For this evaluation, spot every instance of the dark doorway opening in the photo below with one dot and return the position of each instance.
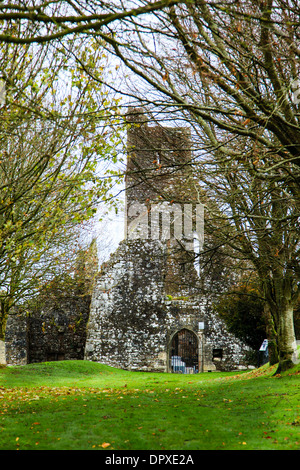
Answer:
(55, 356)
(217, 354)
(184, 352)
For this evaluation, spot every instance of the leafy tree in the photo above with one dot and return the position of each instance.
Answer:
(242, 309)
(77, 281)
(228, 71)
(241, 59)
(43, 22)
(54, 135)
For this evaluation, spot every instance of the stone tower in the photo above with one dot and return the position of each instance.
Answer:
(147, 311)
(162, 198)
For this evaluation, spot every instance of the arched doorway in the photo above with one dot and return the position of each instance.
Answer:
(184, 352)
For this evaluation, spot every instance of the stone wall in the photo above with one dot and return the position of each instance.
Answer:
(16, 339)
(56, 330)
(126, 308)
(132, 319)
(54, 325)
(2, 352)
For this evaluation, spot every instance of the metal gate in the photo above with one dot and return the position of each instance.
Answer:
(184, 352)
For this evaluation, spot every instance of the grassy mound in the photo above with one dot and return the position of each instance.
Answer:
(85, 405)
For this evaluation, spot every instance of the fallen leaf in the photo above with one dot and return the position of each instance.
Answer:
(105, 444)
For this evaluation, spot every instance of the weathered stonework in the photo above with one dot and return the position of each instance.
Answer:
(16, 339)
(53, 327)
(54, 330)
(132, 320)
(147, 297)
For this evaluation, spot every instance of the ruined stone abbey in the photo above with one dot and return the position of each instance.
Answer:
(148, 310)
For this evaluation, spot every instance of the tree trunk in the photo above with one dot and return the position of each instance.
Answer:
(280, 303)
(271, 336)
(5, 306)
(286, 337)
(3, 318)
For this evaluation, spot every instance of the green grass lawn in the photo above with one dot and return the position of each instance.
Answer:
(80, 405)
